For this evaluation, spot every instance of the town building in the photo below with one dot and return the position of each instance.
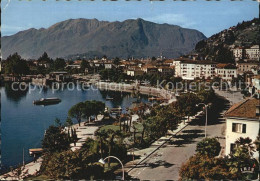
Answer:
(242, 120)
(108, 65)
(246, 65)
(238, 53)
(165, 71)
(59, 76)
(149, 69)
(226, 71)
(168, 62)
(252, 52)
(190, 69)
(256, 84)
(73, 66)
(134, 71)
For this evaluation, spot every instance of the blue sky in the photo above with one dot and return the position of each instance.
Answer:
(209, 17)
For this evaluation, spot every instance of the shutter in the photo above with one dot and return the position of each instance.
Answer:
(244, 128)
(233, 127)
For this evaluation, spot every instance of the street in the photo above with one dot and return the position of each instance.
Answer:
(164, 164)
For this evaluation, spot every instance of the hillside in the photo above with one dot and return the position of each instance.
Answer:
(138, 38)
(218, 46)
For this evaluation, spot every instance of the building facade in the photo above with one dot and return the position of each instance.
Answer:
(242, 120)
(246, 66)
(253, 52)
(190, 69)
(226, 71)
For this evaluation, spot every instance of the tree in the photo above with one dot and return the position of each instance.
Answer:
(44, 58)
(224, 55)
(59, 64)
(112, 137)
(116, 61)
(84, 64)
(77, 111)
(68, 122)
(245, 143)
(203, 167)
(68, 165)
(209, 146)
(15, 65)
(187, 104)
(257, 143)
(55, 140)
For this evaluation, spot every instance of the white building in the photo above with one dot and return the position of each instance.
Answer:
(134, 71)
(256, 83)
(238, 53)
(166, 71)
(253, 52)
(108, 65)
(190, 69)
(226, 71)
(242, 120)
(73, 66)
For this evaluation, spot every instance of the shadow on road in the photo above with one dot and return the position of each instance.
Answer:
(156, 164)
(214, 113)
(187, 137)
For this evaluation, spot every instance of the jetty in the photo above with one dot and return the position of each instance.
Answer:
(160, 94)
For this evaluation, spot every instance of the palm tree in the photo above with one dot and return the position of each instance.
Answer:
(101, 138)
(246, 143)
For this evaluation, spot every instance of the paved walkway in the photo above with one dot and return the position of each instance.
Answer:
(29, 169)
(83, 132)
(232, 96)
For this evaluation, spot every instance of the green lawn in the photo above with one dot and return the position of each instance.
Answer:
(113, 127)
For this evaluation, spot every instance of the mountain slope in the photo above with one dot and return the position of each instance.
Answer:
(244, 34)
(136, 38)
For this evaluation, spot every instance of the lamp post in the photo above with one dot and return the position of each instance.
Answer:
(103, 162)
(206, 123)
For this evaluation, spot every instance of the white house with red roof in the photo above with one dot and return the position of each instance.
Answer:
(242, 120)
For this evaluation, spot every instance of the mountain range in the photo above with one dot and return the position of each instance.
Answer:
(90, 38)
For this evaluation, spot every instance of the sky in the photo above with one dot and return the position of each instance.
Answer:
(209, 17)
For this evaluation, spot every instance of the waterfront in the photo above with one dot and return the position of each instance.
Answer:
(23, 124)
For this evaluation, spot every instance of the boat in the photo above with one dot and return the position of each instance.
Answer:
(47, 101)
(109, 98)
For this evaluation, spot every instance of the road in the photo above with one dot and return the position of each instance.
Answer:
(164, 164)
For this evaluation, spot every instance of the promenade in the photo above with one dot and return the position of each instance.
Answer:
(83, 132)
(147, 90)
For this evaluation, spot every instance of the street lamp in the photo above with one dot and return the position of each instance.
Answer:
(102, 161)
(206, 123)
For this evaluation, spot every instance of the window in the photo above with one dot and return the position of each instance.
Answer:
(238, 127)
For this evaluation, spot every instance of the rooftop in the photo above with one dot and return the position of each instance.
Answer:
(226, 66)
(244, 109)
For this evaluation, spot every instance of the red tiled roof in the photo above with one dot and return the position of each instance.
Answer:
(244, 109)
(226, 66)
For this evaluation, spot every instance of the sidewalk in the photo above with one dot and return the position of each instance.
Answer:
(29, 169)
(83, 132)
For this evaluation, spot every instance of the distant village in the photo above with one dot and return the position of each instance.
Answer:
(189, 67)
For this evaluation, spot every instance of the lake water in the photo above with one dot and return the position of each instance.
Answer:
(23, 124)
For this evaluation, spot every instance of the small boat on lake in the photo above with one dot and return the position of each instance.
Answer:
(109, 98)
(47, 101)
